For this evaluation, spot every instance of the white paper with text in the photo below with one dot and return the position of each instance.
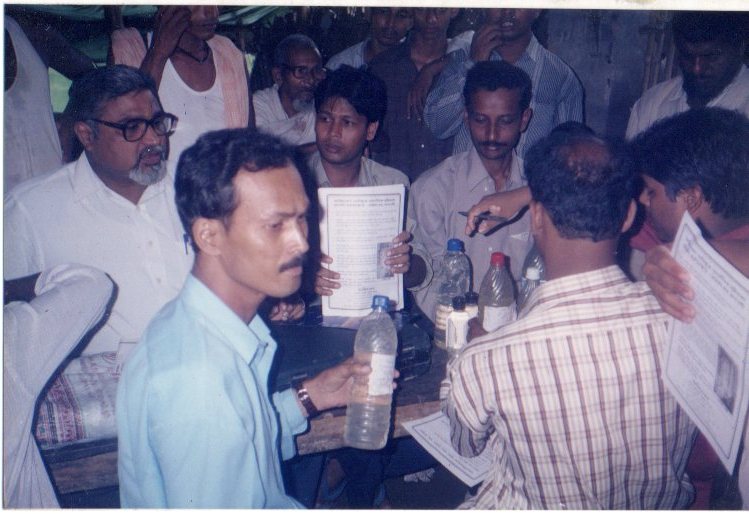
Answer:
(706, 360)
(357, 225)
(433, 433)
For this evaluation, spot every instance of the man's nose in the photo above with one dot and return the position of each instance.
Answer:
(644, 199)
(151, 137)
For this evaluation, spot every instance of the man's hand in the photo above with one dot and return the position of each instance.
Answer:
(475, 329)
(399, 256)
(505, 204)
(326, 280)
(670, 283)
(290, 308)
(171, 22)
(332, 387)
(417, 95)
(485, 40)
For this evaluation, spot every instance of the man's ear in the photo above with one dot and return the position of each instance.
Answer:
(537, 217)
(208, 235)
(525, 119)
(631, 213)
(277, 75)
(372, 130)
(693, 199)
(85, 134)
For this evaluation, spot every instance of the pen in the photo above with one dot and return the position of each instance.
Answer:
(486, 216)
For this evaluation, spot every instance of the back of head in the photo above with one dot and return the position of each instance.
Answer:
(89, 93)
(365, 91)
(729, 28)
(493, 75)
(583, 183)
(292, 43)
(708, 148)
(204, 181)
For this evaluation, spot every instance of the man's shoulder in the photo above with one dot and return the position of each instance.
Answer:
(51, 187)
(446, 172)
(387, 174)
(656, 94)
(351, 56)
(265, 95)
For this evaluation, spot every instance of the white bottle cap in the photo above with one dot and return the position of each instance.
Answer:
(532, 273)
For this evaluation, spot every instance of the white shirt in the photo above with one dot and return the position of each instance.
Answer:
(70, 216)
(271, 118)
(32, 146)
(198, 111)
(352, 56)
(669, 98)
(37, 336)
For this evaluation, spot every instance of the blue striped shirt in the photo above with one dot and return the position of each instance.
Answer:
(557, 96)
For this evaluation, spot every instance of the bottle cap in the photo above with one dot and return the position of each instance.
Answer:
(498, 259)
(532, 273)
(472, 298)
(380, 301)
(459, 303)
(454, 245)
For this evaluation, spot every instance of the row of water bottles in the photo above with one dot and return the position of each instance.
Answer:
(497, 304)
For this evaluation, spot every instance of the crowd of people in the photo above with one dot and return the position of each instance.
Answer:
(183, 230)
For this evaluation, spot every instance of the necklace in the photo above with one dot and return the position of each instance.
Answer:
(194, 57)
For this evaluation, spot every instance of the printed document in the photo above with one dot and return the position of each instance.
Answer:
(357, 227)
(433, 433)
(706, 360)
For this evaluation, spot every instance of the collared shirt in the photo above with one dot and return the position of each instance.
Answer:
(403, 143)
(271, 118)
(570, 402)
(457, 184)
(352, 56)
(37, 336)
(557, 96)
(669, 98)
(70, 216)
(196, 424)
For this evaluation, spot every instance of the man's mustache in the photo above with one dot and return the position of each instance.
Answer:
(153, 149)
(296, 262)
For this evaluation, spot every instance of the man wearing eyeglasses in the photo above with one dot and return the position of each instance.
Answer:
(112, 209)
(286, 109)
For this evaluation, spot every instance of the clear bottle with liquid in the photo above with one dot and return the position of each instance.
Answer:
(531, 281)
(368, 411)
(496, 295)
(454, 280)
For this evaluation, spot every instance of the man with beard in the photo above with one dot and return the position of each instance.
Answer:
(112, 209)
(506, 35)
(497, 99)
(710, 49)
(202, 77)
(286, 109)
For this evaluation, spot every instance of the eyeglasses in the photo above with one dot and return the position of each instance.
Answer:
(133, 130)
(303, 72)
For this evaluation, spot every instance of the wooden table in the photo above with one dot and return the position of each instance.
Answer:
(90, 466)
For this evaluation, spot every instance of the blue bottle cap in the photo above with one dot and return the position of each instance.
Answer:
(380, 301)
(454, 245)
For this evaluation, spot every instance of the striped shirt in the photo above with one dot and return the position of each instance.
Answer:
(570, 402)
(557, 96)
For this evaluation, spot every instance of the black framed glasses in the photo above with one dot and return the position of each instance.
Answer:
(133, 130)
(303, 72)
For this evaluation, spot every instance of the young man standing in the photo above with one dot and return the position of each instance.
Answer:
(196, 423)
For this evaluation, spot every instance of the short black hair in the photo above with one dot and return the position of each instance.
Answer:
(365, 91)
(204, 185)
(729, 28)
(493, 75)
(289, 44)
(706, 147)
(90, 92)
(585, 184)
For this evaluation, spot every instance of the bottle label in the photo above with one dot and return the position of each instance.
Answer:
(457, 331)
(440, 317)
(496, 317)
(381, 378)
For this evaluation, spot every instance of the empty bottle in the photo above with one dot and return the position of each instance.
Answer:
(457, 327)
(530, 282)
(454, 280)
(496, 295)
(368, 412)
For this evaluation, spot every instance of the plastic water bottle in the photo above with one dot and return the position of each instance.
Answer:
(530, 282)
(457, 327)
(533, 259)
(454, 280)
(496, 295)
(368, 412)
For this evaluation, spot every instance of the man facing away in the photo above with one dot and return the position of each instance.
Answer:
(710, 50)
(497, 98)
(112, 209)
(506, 35)
(285, 109)
(201, 76)
(197, 425)
(569, 397)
